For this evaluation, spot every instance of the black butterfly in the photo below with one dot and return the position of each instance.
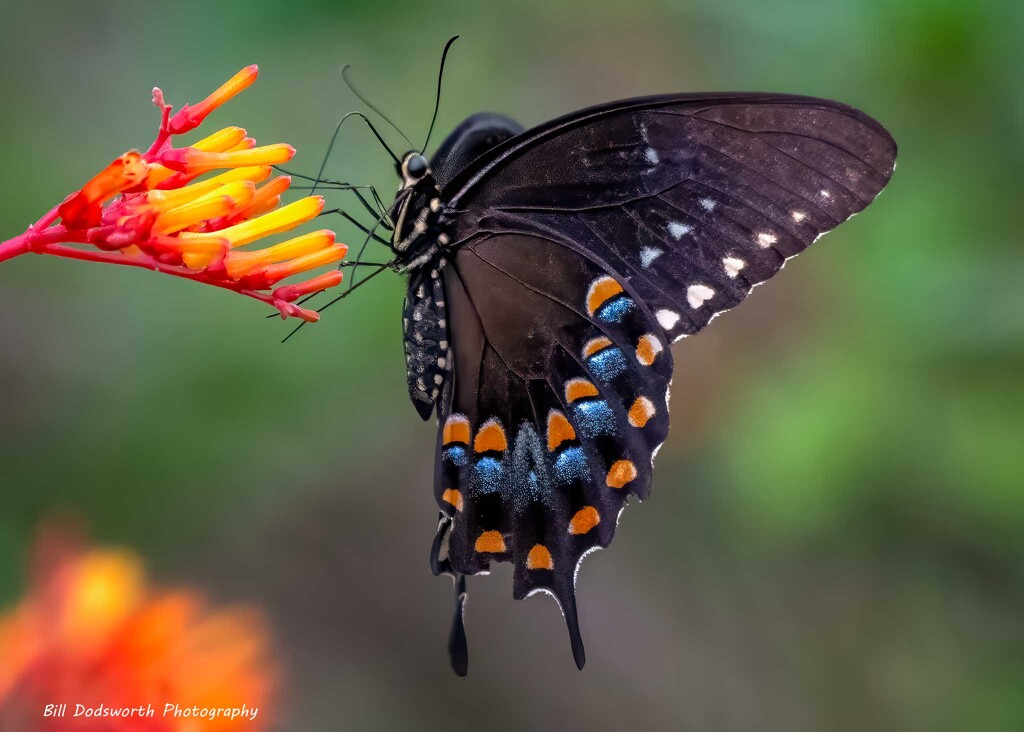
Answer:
(549, 271)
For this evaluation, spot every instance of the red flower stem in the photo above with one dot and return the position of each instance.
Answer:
(15, 247)
(23, 243)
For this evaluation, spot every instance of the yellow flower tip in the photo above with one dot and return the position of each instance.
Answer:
(222, 140)
(247, 143)
(192, 160)
(166, 200)
(191, 117)
(192, 214)
(283, 219)
(266, 198)
(327, 255)
(240, 192)
(275, 187)
(300, 246)
(259, 209)
(265, 194)
(254, 173)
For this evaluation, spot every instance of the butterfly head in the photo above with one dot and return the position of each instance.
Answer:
(412, 169)
(416, 211)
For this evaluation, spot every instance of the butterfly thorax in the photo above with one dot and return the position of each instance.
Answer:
(416, 215)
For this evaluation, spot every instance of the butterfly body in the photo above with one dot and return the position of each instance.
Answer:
(551, 269)
(421, 245)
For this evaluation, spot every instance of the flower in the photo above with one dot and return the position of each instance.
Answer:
(93, 632)
(151, 210)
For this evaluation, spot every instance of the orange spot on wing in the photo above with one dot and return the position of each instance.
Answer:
(490, 437)
(594, 345)
(559, 430)
(647, 349)
(584, 520)
(579, 389)
(490, 542)
(641, 411)
(621, 473)
(456, 429)
(539, 558)
(453, 497)
(601, 292)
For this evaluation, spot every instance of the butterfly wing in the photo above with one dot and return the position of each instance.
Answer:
(694, 199)
(584, 247)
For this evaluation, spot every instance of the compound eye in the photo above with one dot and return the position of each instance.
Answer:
(416, 166)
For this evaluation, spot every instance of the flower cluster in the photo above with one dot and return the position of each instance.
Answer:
(93, 635)
(152, 210)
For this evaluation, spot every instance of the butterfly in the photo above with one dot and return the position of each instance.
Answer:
(549, 272)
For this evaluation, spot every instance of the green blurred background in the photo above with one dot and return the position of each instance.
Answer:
(834, 540)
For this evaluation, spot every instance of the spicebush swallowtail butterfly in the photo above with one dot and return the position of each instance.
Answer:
(551, 269)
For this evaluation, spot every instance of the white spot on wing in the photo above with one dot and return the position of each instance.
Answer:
(697, 294)
(652, 156)
(766, 239)
(648, 255)
(708, 204)
(677, 230)
(825, 194)
(733, 266)
(667, 319)
(799, 216)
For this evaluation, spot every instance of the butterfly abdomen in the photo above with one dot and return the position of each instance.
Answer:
(425, 332)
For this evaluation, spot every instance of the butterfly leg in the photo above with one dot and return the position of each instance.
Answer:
(352, 220)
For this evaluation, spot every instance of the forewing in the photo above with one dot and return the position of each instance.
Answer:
(693, 200)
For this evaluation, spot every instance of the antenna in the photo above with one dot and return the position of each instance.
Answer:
(437, 101)
(348, 82)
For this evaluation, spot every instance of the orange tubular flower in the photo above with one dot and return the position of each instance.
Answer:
(148, 210)
(92, 634)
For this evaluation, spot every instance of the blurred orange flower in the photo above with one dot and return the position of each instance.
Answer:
(147, 210)
(94, 636)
